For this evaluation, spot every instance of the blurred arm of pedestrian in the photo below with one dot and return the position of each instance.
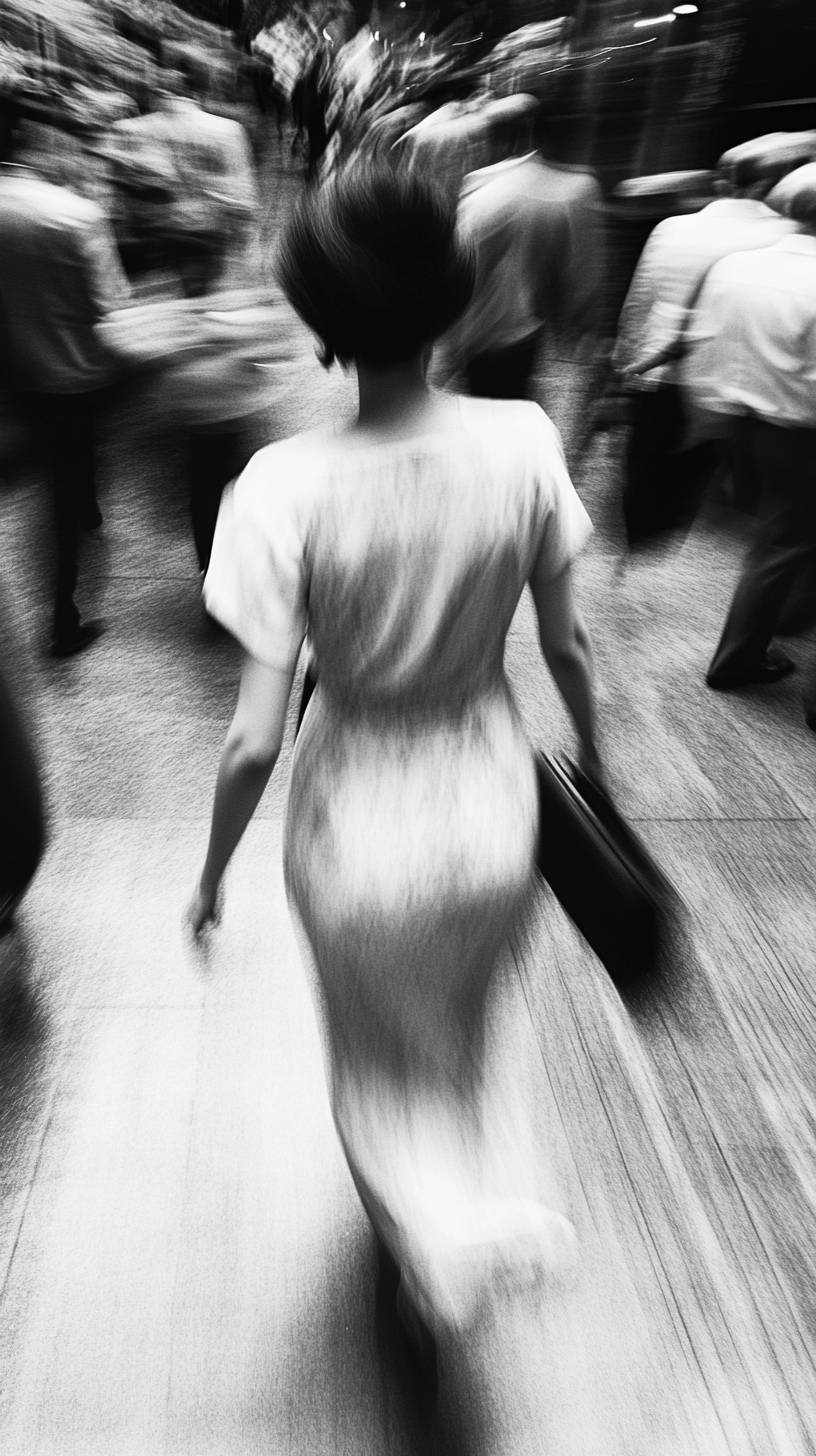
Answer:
(234, 185)
(651, 318)
(707, 367)
(493, 243)
(575, 307)
(103, 279)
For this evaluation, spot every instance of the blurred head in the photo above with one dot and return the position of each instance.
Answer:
(372, 262)
(512, 125)
(754, 167)
(795, 196)
(191, 72)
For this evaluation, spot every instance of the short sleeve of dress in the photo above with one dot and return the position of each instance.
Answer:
(564, 525)
(255, 585)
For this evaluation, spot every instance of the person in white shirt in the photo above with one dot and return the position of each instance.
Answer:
(680, 250)
(752, 362)
(669, 464)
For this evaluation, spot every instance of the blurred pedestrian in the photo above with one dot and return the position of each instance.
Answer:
(670, 459)
(536, 228)
(753, 363)
(197, 181)
(59, 278)
(401, 543)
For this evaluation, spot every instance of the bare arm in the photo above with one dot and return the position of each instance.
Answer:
(250, 753)
(566, 648)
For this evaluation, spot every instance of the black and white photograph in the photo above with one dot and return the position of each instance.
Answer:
(407, 728)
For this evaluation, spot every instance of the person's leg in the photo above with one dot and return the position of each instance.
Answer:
(22, 834)
(503, 373)
(52, 433)
(799, 612)
(784, 460)
(810, 695)
(81, 430)
(214, 459)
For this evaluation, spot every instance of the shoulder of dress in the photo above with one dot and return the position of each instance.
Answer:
(284, 469)
(514, 421)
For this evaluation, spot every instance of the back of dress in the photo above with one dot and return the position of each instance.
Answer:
(403, 559)
(412, 813)
(418, 554)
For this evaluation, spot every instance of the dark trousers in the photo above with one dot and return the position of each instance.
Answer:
(63, 430)
(777, 467)
(504, 373)
(214, 459)
(22, 818)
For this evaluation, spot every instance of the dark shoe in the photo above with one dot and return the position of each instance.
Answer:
(69, 643)
(810, 719)
(774, 665)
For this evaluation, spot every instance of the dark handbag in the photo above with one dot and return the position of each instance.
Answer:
(602, 874)
(665, 477)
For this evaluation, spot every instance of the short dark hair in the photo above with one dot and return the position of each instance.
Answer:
(795, 196)
(763, 161)
(373, 263)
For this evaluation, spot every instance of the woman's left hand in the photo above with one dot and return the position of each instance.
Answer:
(205, 909)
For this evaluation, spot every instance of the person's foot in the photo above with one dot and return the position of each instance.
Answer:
(67, 644)
(773, 666)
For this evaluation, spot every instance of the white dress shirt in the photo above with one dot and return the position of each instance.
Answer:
(753, 340)
(676, 257)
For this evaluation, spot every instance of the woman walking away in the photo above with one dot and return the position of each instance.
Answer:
(401, 544)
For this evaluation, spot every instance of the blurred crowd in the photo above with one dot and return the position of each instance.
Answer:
(133, 245)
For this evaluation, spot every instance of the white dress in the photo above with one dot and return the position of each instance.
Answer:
(412, 811)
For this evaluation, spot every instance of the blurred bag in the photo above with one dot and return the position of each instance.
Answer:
(666, 474)
(665, 477)
(602, 874)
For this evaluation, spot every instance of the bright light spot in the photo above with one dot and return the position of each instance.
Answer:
(686, 9)
(376, 35)
(402, 4)
(656, 20)
(422, 37)
(326, 35)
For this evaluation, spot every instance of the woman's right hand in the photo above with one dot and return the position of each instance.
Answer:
(204, 910)
(590, 764)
